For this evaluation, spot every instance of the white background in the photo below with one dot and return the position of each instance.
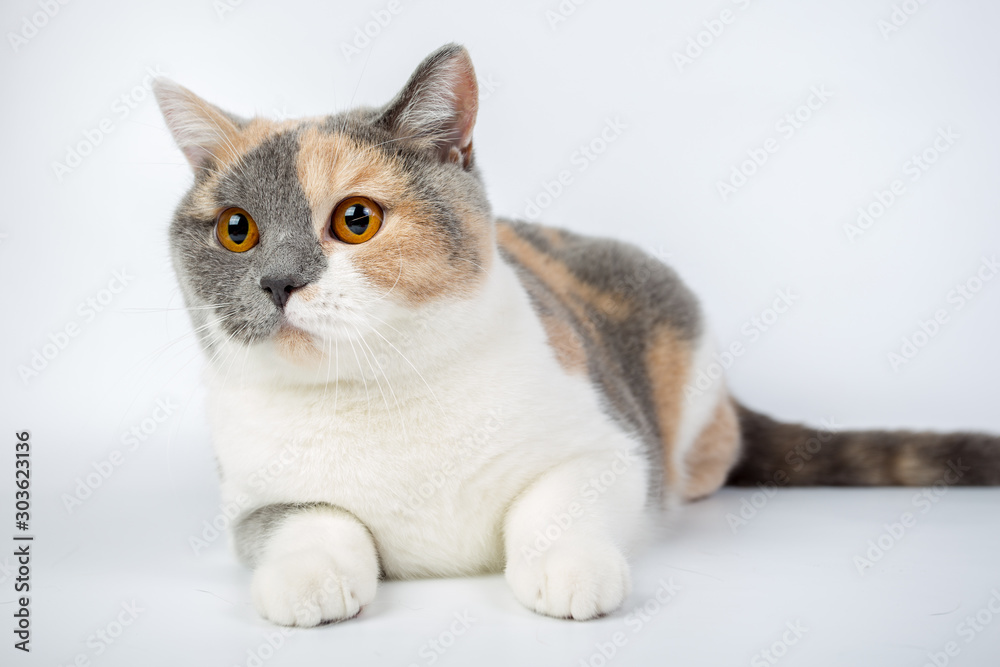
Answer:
(554, 88)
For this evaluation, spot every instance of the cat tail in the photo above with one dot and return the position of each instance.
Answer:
(793, 454)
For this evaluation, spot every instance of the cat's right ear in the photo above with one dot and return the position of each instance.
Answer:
(202, 131)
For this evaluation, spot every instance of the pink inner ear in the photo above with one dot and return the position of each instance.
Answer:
(199, 157)
(466, 92)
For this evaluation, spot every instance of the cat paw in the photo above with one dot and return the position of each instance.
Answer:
(310, 587)
(579, 583)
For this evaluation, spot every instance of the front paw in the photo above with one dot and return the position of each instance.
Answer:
(309, 587)
(581, 581)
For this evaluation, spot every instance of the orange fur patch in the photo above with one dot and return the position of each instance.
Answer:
(567, 344)
(668, 362)
(714, 453)
(297, 346)
(332, 167)
(570, 290)
(553, 236)
(308, 293)
(407, 257)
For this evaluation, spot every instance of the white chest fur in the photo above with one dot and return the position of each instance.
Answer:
(431, 446)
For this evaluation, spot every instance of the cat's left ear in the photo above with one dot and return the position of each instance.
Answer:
(437, 108)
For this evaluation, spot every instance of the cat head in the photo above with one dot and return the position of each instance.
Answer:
(299, 232)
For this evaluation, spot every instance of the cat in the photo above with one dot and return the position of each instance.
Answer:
(401, 385)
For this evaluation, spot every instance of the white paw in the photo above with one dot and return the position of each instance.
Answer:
(580, 582)
(311, 586)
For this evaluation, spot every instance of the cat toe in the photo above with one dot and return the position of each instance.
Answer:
(579, 583)
(308, 588)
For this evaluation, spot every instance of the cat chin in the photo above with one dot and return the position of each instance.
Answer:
(296, 346)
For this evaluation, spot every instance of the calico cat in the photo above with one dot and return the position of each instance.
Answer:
(402, 385)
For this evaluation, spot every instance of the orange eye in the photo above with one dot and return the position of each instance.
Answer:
(236, 230)
(356, 219)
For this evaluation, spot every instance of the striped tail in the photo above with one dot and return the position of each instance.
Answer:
(793, 454)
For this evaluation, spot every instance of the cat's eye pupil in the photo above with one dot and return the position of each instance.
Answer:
(357, 218)
(238, 228)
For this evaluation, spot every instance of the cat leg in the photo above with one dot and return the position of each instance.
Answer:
(565, 535)
(312, 562)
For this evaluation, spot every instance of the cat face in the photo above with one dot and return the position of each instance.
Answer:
(297, 233)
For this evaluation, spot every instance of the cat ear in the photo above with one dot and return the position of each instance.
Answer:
(202, 130)
(437, 107)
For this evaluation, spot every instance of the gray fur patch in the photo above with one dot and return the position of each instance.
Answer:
(264, 183)
(617, 362)
(252, 532)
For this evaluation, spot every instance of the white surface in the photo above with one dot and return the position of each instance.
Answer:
(793, 562)
(554, 90)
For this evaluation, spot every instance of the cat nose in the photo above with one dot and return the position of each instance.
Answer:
(280, 288)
